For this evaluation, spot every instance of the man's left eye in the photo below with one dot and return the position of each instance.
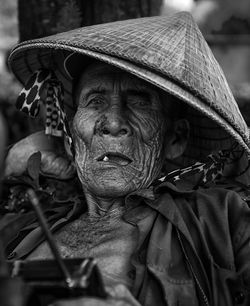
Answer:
(139, 102)
(95, 102)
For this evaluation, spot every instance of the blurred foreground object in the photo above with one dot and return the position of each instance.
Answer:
(53, 162)
(12, 291)
(59, 278)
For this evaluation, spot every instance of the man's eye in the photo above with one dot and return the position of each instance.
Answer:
(95, 102)
(139, 102)
(143, 103)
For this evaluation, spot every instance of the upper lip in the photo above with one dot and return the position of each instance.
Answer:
(116, 154)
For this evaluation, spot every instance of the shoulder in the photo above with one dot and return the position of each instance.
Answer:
(216, 220)
(214, 208)
(218, 210)
(207, 201)
(216, 199)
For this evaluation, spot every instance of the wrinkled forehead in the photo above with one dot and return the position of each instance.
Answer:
(102, 74)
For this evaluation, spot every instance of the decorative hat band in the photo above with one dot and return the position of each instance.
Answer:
(44, 87)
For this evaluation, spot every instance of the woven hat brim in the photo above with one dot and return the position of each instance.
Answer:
(31, 57)
(168, 52)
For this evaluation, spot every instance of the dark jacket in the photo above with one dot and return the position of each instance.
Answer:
(193, 248)
(196, 251)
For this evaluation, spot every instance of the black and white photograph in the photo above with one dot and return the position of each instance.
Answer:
(124, 152)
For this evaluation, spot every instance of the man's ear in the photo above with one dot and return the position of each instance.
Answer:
(66, 145)
(176, 140)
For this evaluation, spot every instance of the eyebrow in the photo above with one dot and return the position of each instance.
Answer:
(97, 90)
(130, 92)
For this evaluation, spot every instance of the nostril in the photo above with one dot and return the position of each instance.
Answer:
(123, 132)
(105, 131)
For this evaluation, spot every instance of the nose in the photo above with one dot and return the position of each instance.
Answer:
(114, 123)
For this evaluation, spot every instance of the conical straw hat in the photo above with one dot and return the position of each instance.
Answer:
(168, 52)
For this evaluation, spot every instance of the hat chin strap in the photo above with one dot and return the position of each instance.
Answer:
(44, 87)
(230, 164)
(210, 169)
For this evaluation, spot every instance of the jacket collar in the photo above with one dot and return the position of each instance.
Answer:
(156, 198)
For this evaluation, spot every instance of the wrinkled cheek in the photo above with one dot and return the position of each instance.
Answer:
(153, 158)
(83, 126)
(152, 165)
(80, 139)
(80, 157)
(152, 129)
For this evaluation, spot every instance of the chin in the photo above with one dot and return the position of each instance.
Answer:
(109, 189)
(111, 182)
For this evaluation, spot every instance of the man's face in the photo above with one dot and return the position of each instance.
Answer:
(118, 132)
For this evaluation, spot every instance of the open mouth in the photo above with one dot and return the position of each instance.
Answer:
(116, 158)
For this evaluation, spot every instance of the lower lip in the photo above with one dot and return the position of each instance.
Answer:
(113, 164)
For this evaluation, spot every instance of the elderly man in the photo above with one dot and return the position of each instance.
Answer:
(140, 97)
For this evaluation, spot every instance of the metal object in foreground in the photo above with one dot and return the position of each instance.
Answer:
(42, 221)
(59, 278)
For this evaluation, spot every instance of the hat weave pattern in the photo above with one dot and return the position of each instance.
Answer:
(169, 52)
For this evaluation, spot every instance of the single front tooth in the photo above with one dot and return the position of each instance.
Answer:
(105, 158)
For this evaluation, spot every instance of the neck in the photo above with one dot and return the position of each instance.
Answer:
(101, 206)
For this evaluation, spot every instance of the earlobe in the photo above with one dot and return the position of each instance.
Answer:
(176, 143)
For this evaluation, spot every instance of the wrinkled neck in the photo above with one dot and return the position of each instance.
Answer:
(102, 206)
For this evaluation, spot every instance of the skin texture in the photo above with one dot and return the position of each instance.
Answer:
(107, 238)
(121, 114)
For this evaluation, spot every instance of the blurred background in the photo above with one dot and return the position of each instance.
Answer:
(224, 23)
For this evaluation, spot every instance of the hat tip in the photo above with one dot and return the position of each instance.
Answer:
(185, 15)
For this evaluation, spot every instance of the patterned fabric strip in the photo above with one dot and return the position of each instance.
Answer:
(44, 87)
(210, 169)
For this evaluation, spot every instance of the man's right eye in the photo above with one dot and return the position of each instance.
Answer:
(95, 102)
